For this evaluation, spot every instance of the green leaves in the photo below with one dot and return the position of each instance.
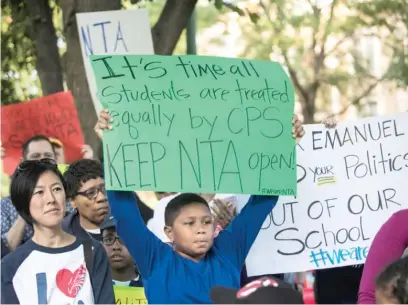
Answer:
(18, 80)
(323, 52)
(219, 4)
(254, 17)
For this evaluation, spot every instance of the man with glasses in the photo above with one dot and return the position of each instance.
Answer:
(86, 194)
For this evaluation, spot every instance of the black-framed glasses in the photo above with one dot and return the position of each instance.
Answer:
(110, 240)
(27, 165)
(93, 192)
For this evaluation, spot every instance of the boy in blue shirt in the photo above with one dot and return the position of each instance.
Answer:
(186, 271)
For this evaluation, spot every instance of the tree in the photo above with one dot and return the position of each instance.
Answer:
(166, 32)
(73, 63)
(316, 41)
(44, 37)
(207, 15)
(18, 56)
(29, 44)
(22, 60)
(391, 15)
(172, 21)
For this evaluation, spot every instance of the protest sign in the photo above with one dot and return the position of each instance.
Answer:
(54, 115)
(129, 295)
(109, 32)
(197, 124)
(63, 168)
(350, 181)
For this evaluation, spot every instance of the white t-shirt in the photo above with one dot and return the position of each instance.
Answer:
(34, 274)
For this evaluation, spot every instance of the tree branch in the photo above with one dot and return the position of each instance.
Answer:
(69, 17)
(295, 78)
(312, 5)
(329, 22)
(338, 43)
(172, 21)
(233, 8)
(316, 14)
(319, 60)
(358, 99)
(291, 70)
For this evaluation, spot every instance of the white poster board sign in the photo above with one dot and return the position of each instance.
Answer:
(110, 32)
(351, 179)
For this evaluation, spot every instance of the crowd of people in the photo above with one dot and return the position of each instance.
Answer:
(65, 239)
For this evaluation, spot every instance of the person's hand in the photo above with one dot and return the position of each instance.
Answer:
(3, 151)
(297, 128)
(330, 122)
(224, 212)
(103, 124)
(87, 152)
(207, 196)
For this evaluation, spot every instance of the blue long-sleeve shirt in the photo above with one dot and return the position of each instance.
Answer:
(170, 278)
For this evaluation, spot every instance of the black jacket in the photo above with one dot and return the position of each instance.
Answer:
(4, 249)
(72, 225)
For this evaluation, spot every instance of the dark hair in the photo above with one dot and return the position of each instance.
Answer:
(175, 205)
(80, 172)
(36, 138)
(101, 154)
(23, 183)
(393, 281)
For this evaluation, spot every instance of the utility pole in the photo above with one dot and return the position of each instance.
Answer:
(191, 34)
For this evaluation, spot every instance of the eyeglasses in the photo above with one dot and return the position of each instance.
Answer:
(93, 192)
(110, 240)
(29, 164)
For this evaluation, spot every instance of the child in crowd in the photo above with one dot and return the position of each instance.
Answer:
(392, 284)
(124, 271)
(196, 262)
(185, 272)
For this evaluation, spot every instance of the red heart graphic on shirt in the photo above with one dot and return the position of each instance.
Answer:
(71, 283)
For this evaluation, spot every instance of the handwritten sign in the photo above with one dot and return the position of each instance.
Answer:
(52, 116)
(129, 295)
(351, 180)
(197, 124)
(109, 32)
(63, 168)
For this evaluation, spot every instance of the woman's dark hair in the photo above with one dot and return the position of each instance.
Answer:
(24, 181)
(393, 281)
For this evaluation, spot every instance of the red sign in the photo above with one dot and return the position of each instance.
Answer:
(54, 116)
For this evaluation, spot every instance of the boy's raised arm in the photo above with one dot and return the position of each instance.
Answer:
(144, 247)
(237, 239)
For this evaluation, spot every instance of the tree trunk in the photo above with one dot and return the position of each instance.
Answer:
(43, 34)
(172, 21)
(74, 65)
(166, 33)
(308, 110)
